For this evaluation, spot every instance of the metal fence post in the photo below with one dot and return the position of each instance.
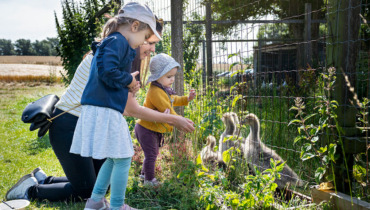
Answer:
(177, 46)
(209, 40)
(204, 73)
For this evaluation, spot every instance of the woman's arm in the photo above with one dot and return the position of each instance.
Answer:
(133, 109)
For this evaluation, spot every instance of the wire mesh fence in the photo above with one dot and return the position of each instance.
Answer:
(259, 57)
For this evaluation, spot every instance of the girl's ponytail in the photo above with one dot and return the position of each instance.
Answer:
(110, 27)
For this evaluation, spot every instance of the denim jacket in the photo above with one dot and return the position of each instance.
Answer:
(110, 74)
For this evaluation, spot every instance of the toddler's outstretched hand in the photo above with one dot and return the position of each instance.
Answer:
(192, 95)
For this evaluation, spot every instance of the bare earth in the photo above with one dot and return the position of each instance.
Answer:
(30, 69)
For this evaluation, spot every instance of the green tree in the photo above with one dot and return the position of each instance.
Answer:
(54, 43)
(6, 47)
(285, 10)
(23, 47)
(192, 35)
(42, 48)
(273, 31)
(81, 24)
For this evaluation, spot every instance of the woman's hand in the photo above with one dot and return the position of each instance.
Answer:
(183, 124)
(133, 109)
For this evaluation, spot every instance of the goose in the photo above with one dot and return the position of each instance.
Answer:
(231, 121)
(208, 155)
(258, 154)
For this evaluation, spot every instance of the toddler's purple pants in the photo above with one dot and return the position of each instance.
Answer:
(150, 142)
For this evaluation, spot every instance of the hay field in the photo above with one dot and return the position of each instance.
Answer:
(41, 60)
(30, 69)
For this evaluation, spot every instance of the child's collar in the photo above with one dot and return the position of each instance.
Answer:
(168, 90)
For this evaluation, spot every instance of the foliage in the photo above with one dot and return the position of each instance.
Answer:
(23, 47)
(192, 35)
(46, 47)
(309, 134)
(6, 47)
(164, 46)
(79, 28)
(243, 10)
(273, 31)
(256, 192)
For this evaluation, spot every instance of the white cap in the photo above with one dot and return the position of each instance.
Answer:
(142, 13)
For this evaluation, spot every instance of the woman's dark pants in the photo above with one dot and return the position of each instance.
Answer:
(81, 172)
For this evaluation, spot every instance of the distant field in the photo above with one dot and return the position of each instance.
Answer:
(40, 60)
(30, 69)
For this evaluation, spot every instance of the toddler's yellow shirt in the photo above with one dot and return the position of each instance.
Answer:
(157, 99)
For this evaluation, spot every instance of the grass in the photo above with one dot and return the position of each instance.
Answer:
(21, 151)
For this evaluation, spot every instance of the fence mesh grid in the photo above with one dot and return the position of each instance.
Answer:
(266, 55)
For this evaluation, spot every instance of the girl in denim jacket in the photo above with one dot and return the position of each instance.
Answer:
(102, 131)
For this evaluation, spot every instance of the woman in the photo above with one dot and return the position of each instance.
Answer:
(80, 171)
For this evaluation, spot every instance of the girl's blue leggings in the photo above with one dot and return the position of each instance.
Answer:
(113, 172)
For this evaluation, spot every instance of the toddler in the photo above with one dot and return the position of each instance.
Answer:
(160, 97)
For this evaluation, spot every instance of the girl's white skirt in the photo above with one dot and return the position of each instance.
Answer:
(102, 133)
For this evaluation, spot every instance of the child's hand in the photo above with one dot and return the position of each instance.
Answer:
(134, 82)
(136, 88)
(192, 95)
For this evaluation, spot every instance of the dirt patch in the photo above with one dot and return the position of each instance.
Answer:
(30, 69)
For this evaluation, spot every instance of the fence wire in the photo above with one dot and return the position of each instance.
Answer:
(264, 56)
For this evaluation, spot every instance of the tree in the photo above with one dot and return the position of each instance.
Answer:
(273, 31)
(6, 47)
(54, 43)
(191, 43)
(293, 9)
(42, 48)
(23, 47)
(81, 24)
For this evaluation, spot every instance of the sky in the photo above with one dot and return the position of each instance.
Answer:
(28, 19)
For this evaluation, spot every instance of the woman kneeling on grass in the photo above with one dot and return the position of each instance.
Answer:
(80, 171)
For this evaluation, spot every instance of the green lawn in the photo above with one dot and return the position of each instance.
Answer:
(21, 151)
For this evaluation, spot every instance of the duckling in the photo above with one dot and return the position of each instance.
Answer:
(258, 154)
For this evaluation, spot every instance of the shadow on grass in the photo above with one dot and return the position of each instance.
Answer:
(38, 145)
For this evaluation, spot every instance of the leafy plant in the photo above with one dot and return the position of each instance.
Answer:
(310, 134)
(81, 24)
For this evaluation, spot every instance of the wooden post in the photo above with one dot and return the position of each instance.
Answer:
(209, 40)
(177, 47)
(338, 200)
(341, 53)
(307, 36)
